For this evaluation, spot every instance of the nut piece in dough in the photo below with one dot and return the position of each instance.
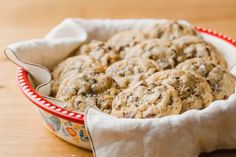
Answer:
(220, 80)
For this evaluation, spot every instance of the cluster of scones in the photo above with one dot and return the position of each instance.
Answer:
(164, 69)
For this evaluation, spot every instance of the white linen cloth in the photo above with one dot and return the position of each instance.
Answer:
(184, 135)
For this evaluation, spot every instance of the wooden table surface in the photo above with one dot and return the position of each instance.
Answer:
(21, 131)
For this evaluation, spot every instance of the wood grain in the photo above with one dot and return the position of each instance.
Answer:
(21, 131)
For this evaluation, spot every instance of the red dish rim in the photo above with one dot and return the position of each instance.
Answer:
(34, 97)
(55, 110)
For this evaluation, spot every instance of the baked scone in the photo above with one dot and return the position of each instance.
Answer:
(73, 66)
(163, 52)
(220, 80)
(147, 100)
(128, 72)
(170, 30)
(125, 39)
(193, 89)
(194, 47)
(101, 51)
(87, 89)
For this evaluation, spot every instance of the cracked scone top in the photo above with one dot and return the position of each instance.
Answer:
(193, 89)
(127, 72)
(220, 80)
(170, 30)
(73, 66)
(195, 47)
(101, 51)
(147, 100)
(163, 52)
(86, 89)
(125, 39)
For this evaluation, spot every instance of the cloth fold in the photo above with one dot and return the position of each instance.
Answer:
(184, 135)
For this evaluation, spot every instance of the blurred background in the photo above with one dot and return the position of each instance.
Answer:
(28, 19)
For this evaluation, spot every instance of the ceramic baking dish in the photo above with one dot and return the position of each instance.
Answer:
(69, 125)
